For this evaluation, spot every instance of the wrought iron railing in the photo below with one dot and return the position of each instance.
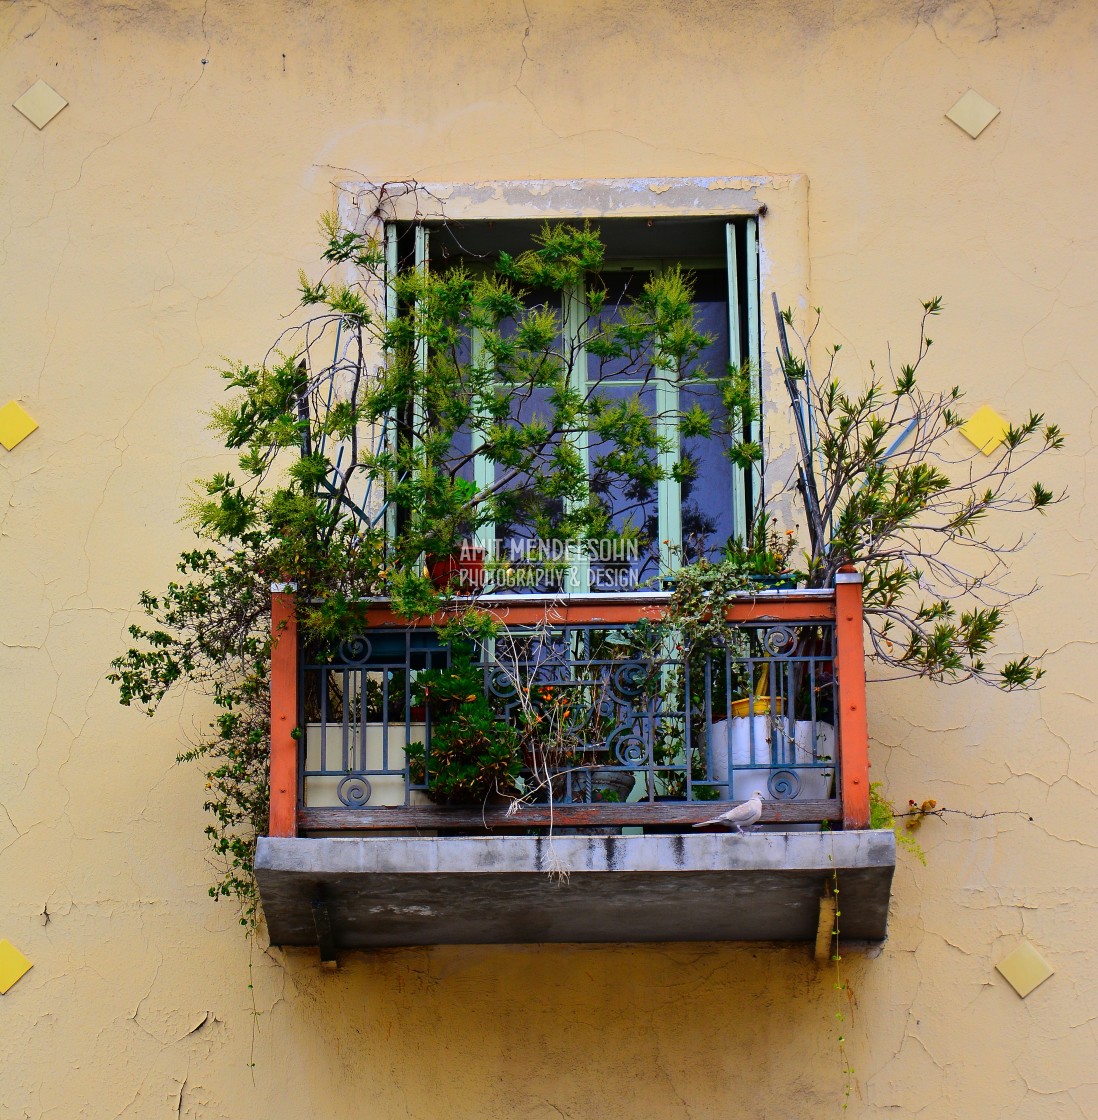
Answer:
(619, 721)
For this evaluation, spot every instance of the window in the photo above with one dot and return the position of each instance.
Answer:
(693, 512)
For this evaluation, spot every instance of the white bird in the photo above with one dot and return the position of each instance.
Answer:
(744, 815)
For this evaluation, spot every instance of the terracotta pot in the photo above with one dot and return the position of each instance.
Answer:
(461, 571)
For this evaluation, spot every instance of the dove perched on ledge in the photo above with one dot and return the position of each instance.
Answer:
(744, 815)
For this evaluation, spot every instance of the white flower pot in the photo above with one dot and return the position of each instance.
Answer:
(761, 740)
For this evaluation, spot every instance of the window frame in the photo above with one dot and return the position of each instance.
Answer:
(775, 251)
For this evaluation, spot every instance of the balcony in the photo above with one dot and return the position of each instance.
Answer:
(595, 840)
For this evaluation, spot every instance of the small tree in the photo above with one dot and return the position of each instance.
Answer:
(355, 439)
(889, 486)
(405, 433)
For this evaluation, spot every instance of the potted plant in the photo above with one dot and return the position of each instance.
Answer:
(473, 755)
(566, 712)
(708, 676)
(491, 422)
(741, 726)
(509, 727)
(776, 728)
(765, 556)
(461, 571)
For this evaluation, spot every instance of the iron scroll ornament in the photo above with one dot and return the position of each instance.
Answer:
(783, 785)
(354, 791)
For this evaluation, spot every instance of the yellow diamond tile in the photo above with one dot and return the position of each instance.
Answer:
(1024, 969)
(15, 424)
(40, 104)
(985, 428)
(973, 113)
(13, 965)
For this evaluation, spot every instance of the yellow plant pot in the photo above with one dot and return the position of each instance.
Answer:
(756, 706)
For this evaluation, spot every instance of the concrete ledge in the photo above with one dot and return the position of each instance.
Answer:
(386, 891)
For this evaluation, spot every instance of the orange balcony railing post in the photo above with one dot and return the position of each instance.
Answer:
(853, 724)
(284, 710)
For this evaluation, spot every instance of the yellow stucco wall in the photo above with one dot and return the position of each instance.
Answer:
(157, 224)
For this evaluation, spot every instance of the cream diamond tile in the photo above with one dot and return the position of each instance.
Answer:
(40, 104)
(973, 113)
(1024, 969)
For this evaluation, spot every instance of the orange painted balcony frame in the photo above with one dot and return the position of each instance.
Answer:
(842, 606)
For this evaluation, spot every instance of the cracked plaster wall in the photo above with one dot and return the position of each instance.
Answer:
(158, 223)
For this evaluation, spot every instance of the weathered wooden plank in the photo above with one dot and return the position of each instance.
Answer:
(787, 606)
(444, 817)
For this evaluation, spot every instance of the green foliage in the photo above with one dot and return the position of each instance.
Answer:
(444, 402)
(238, 789)
(882, 814)
(742, 409)
(474, 753)
(905, 500)
(767, 550)
(212, 629)
(696, 612)
(696, 629)
(522, 403)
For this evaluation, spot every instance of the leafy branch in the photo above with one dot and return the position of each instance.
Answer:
(895, 491)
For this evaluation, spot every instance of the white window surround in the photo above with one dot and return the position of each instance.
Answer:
(778, 203)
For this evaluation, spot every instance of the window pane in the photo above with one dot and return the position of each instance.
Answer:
(631, 504)
(622, 287)
(705, 497)
(707, 494)
(711, 317)
(707, 509)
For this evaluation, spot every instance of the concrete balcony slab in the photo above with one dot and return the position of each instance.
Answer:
(374, 891)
